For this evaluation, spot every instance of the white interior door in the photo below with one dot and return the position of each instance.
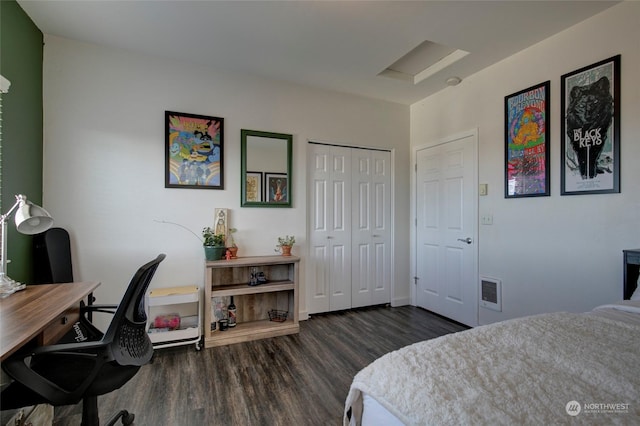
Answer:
(330, 233)
(371, 227)
(446, 218)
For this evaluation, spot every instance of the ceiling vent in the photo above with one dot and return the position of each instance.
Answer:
(422, 62)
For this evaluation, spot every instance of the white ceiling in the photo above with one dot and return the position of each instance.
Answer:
(335, 45)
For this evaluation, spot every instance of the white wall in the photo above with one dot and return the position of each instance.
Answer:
(104, 160)
(558, 252)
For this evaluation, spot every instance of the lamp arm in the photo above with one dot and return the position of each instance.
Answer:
(3, 265)
(19, 199)
(3, 270)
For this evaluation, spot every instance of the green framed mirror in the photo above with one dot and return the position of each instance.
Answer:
(266, 178)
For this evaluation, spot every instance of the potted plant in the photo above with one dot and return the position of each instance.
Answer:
(231, 244)
(285, 243)
(213, 244)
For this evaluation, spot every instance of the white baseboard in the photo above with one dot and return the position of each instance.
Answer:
(403, 301)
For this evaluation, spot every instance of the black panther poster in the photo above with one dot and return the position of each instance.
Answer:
(590, 129)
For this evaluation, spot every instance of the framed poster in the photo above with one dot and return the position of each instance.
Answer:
(276, 188)
(526, 143)
(253, 187)
(193, 151)
(590, 139)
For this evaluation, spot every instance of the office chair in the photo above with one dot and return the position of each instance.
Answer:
(65, 374)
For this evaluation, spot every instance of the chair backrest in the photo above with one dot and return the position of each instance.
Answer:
(52, 257)
(126, 335)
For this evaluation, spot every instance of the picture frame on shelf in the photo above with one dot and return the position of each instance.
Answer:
(527, 139)
(194, 151)
(218, 310)
(221, 222)
(590, 135)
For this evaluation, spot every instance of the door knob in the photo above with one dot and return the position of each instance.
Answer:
(467, 240)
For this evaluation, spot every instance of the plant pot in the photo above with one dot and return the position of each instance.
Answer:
(286, 250)
(234, 252)
(214, 252)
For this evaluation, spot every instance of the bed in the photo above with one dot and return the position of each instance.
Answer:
(551, 368)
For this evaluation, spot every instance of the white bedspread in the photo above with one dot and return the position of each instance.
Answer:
(521, 371)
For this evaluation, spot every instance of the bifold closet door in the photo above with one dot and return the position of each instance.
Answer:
(330, 234)
(350, 235)
(370, 227)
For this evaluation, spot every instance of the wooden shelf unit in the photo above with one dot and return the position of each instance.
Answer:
(225, 278)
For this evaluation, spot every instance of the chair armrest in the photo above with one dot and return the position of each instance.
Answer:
(19, 368)
(109, 309)
(74, 349)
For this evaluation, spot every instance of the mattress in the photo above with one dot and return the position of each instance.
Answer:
(562, 366)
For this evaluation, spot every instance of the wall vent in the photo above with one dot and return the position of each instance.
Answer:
(491, 293)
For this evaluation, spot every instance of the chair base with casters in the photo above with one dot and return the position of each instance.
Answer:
(67, 373)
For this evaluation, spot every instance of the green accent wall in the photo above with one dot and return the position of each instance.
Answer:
(21, 49)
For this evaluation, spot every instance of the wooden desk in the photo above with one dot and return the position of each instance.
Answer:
(42, 312)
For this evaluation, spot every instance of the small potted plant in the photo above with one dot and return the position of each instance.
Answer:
(285, 243)
(213, 244)
(231, 243)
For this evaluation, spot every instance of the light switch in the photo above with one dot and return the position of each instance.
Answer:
(486, 219)
(484, 189)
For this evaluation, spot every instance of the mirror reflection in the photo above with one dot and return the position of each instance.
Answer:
(266, 169)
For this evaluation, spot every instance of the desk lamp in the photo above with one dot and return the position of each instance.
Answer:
(30, 219)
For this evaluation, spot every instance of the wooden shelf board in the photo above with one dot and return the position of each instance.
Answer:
(253, 330)
(252, 261)
(240, 289)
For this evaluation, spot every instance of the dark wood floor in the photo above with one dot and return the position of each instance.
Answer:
(301, 379)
